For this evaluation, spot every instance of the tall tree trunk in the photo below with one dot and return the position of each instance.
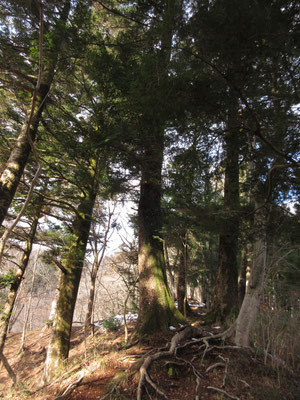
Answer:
(14, 168)
(181, 282)
(157, 309)
(58, 349)
(250, 305)
(10, 301)
(225, 302)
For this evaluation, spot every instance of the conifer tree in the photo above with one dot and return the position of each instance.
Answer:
(47, 39)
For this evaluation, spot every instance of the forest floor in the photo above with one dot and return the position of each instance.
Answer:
(100, 368)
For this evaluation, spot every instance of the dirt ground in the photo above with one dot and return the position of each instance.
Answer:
(100, 368)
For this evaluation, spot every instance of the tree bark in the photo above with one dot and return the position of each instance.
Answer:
(243, 275)
(89, 313)
(58, 349)
(225, 302)
(169, 270)
(157, 309)
(28, 306)
(14, 168)
(182, 302)
(251, 302)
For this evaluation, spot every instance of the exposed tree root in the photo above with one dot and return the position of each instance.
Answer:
(144, 370)
(216, 365)
(203, 346)
(69, 387)
(174, 346)
(223, 392)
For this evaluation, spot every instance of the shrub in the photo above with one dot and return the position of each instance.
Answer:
(111, 324)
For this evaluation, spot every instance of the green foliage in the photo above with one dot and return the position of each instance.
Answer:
(34, 52)
(48, 323)
(111, 324)
(113, 89)
(7, 279)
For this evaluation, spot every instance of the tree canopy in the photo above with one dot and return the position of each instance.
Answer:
(190, 111)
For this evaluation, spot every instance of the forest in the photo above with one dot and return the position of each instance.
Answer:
(168, 129)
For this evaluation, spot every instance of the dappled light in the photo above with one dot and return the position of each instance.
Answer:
(149, 200)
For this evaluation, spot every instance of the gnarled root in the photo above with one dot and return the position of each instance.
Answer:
(144, 370)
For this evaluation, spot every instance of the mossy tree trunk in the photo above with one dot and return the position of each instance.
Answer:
(15, 165)
(157, 309)
(225, 301)
(58, 349)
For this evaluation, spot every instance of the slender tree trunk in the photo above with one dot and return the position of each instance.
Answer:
(28, 305)
(58, 349)
(251, 302)
(225, 302)
(49, 322)
(88, 318)
(181, 282)
(8, 368)
(8, 307)
(170, 272)
(10, 301)
(243, 275)
(14, 168)
(53, 306)
(96, 265)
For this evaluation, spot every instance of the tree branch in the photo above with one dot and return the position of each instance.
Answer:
(257, 131)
